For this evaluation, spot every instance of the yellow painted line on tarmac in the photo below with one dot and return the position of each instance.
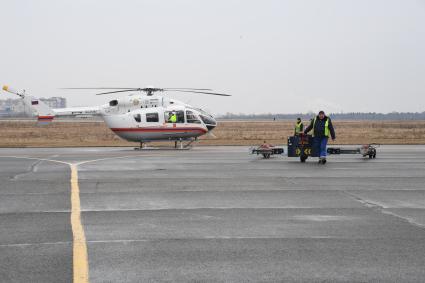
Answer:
(79, 244)
(80, 259)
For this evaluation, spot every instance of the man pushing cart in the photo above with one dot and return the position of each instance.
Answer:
(322, 129)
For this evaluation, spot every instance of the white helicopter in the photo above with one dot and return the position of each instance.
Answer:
(138, 118)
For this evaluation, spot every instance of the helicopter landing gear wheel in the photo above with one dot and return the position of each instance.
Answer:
(142, 146)
(178, 144)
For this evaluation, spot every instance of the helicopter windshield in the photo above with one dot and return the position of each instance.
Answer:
(208, 120)
(191, 117)
(203, 112)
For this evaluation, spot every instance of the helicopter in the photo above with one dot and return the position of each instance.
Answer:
(142, 116)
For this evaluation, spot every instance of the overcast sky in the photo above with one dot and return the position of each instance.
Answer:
(272, 56)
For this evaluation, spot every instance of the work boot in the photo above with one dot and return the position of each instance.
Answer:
(320, 160)
(323, 160)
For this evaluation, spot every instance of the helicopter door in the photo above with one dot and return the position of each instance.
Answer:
(178, 119)
(152, 118)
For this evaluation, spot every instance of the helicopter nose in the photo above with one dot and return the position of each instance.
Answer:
(209, 122)
(212, 124)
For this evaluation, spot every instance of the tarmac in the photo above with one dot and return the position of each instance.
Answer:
(212, 214)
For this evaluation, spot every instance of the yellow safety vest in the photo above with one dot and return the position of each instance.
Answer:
(173, 118)
(327, 131)
(298, 127)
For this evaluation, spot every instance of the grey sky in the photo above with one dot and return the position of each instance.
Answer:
(272, 56)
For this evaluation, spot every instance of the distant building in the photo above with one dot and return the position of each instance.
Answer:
(55, 102)
(13, 108)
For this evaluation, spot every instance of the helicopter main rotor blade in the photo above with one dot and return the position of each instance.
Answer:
(203, 92)
(148, 90)
(86, 88)
(185, 88)
(122, 88)
(117, 91)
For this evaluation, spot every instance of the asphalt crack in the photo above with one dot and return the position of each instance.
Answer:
(31, 169)
(383, 210)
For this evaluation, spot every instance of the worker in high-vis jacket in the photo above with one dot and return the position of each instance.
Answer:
(299, 127)
(322, 129)
(172, 118)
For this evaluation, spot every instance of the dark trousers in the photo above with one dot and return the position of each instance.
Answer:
(322, 143)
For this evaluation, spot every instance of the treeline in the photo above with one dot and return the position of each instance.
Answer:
(336, 116)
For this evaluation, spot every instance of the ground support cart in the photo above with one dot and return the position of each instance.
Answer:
(303, 146)
(267, 152)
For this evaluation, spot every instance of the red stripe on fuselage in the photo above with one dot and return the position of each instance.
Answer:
(159, 130)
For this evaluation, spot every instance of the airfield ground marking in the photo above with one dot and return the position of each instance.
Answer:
(79, 243)
(79, 246)
(80, 255)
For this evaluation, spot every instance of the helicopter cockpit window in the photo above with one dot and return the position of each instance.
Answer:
(152, 117)
(208, 120)
(174, 116)
(191, 118)
(138, 118)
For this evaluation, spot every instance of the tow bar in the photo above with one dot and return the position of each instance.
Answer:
(303, 146)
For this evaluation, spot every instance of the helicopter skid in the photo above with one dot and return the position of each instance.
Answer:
(178, 145)
(152, 148)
